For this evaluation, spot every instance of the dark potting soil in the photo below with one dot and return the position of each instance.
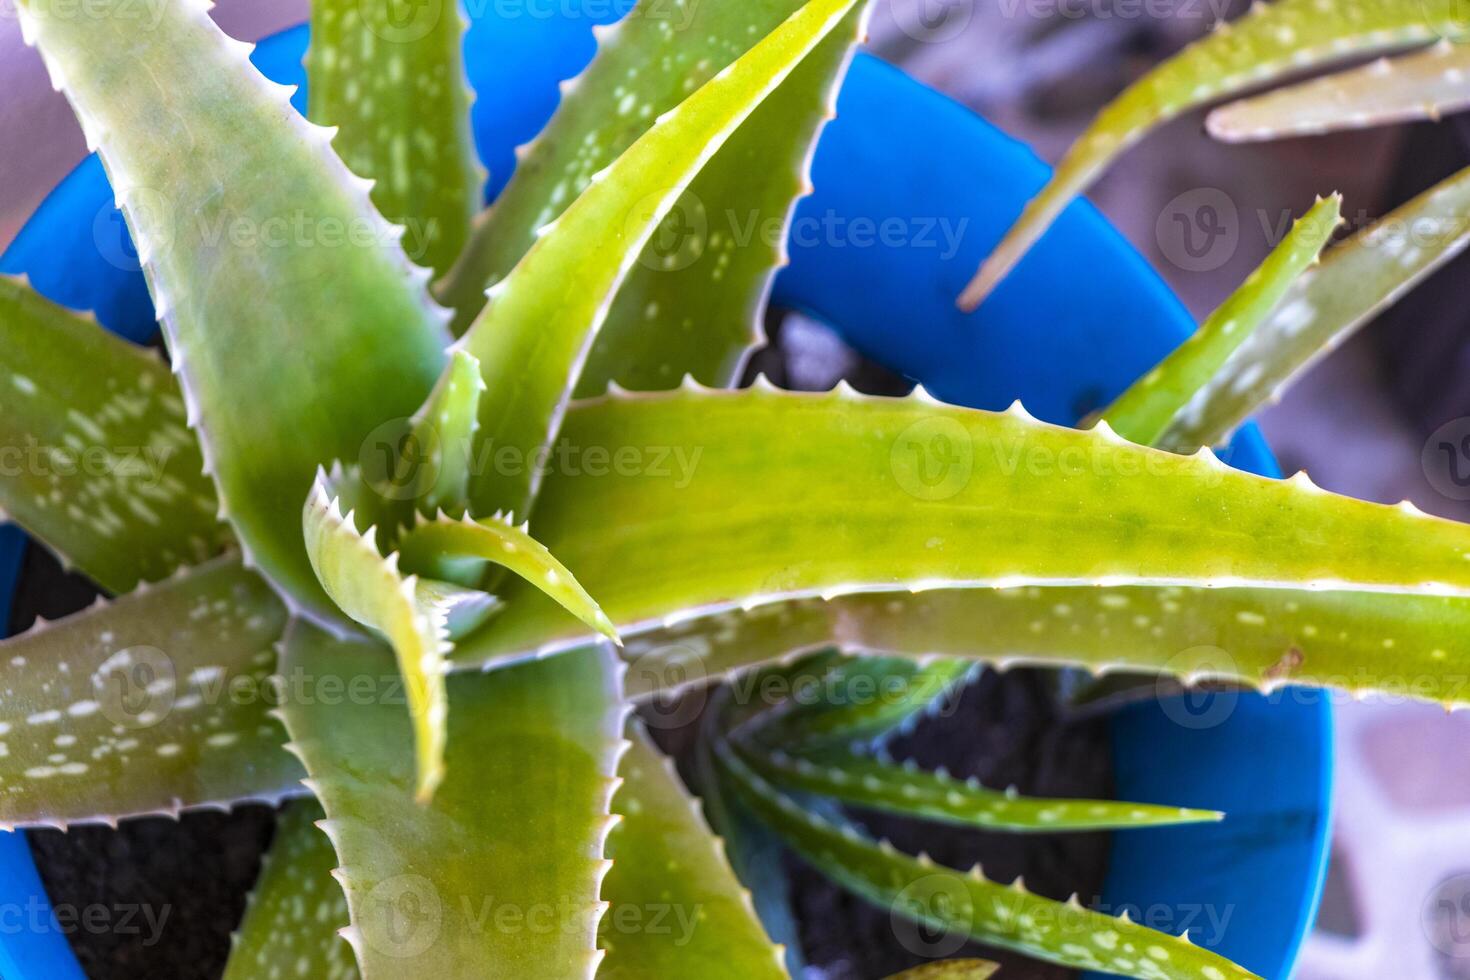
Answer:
(172, 891)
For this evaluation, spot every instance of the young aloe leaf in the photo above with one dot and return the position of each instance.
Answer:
(99, 463)
(390, 76)
(667, 863)
(1425, 85)
(1270, 42)
(692, 304)
(496, 540)
(534, 334)
(1006, 917)
(476, 883)
(950, 970)
(371, 590)
(872, 494)
(295, 322)
(154, 703)
(866, 699)
(1355, 281)
(296, 912)
(1142, 413)
(904, 788)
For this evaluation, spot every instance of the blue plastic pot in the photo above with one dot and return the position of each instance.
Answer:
(1081, 317)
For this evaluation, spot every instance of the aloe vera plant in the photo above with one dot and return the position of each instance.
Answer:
(439, 633)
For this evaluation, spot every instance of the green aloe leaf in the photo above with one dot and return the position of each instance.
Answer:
(1007, 917)
(675, 907)
(389, 75)
(1270, 42)
(415, 614)
(1425, 85)
(1355, 281)
(920, 495)
(496, 540)
(867, 699)
(98, 461)
(692, 304)
(296, 911)
(534, 334)
(882, 784)
(371, 590)
(950, 970)
(156, 702)
(1143, 413)
(498, 876)
(294, 321)
(1262, 638)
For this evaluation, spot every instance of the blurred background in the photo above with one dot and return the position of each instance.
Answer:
(1359, 422)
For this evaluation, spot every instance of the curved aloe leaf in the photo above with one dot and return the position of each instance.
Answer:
(1426, 85)
(1007, 917)
(498, 541)
(476, 883)
(1142, 413)
(293, 318)
(98, 461)
(921, 495)
(1270, 42)
(154, 703)
(950, 970)
(534, 334)
(296, 911)
(675, 909)
(698, 313)
(1355, 281)
(370, 588)
(904, 788)
(866, 699)
(389, 75)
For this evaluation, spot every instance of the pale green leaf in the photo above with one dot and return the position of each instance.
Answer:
(497, 541)
(1270, 42)
(1143, 413)
(534, 334)
(692, 304)
(903, 788)
(389, 75)
(1426, 85)
(292, 316)
(156, 702)
(1355, 281)
(97, 459)
(371, 590)
(675, 907)
(296, 910)
(968, 904)
(862, 494)
(498, 876)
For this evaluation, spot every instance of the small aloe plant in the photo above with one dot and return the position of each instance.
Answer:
(326, 598)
